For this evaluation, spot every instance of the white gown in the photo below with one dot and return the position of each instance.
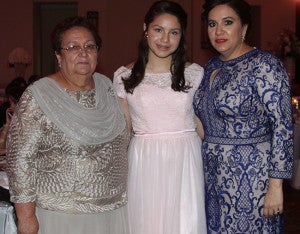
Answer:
(165, 184)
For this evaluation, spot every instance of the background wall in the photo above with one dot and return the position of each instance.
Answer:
(120, 26)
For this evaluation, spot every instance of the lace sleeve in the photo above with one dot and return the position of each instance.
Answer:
(122, 72)
(273, 88)
(22, 146)
(194, 75)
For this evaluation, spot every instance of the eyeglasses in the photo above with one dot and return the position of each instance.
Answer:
(77, 49)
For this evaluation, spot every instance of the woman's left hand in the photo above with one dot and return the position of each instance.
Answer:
(273, 204)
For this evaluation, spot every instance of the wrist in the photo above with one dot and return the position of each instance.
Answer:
(25, 211)
(275, 183)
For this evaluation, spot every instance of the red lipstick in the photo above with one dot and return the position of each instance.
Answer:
(220, 41)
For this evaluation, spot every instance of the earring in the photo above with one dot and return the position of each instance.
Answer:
(243, 38)
(146, 35)
(59, 65)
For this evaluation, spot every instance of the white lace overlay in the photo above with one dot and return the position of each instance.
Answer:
(162, 80)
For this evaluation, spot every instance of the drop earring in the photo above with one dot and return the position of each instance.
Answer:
(243, 38)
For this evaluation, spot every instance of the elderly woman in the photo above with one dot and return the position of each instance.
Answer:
(67, 144)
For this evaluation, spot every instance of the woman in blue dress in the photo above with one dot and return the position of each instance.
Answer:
(244, 103)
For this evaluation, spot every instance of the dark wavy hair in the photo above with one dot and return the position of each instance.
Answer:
(15, 88)
(241, 7)
(178, 57)
(68, 23)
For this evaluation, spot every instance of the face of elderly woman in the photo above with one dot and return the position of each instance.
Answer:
(225, 31)
(79, 52)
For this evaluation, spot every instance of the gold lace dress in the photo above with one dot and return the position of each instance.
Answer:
(64, 176)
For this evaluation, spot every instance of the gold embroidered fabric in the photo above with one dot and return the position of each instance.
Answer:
(58, 173)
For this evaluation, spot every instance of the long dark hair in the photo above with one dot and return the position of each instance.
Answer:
(178, 57)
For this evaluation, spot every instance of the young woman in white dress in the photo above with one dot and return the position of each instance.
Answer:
(165, 184)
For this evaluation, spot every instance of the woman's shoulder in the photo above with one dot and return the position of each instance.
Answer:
(194, 70)
(265, 56)
(194, 73)
(123, 72)
(101, 77)
(43, 83)
(101, 80)
(265, 61)
(193, 67)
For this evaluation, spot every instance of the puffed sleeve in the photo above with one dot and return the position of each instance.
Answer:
(194, 74)
(22, 146)
(274, 90)
(122, 72)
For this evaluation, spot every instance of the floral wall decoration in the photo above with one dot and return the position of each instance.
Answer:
(288, 44)
(287, 48)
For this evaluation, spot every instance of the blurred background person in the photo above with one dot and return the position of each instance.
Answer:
(3, 97)
(13, 92)
(32, 79)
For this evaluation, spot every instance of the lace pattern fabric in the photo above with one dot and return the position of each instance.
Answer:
(58, 172)
(161, 80)
(152, 96)
(247, 119)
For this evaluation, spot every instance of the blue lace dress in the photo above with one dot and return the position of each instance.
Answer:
(247, 119)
